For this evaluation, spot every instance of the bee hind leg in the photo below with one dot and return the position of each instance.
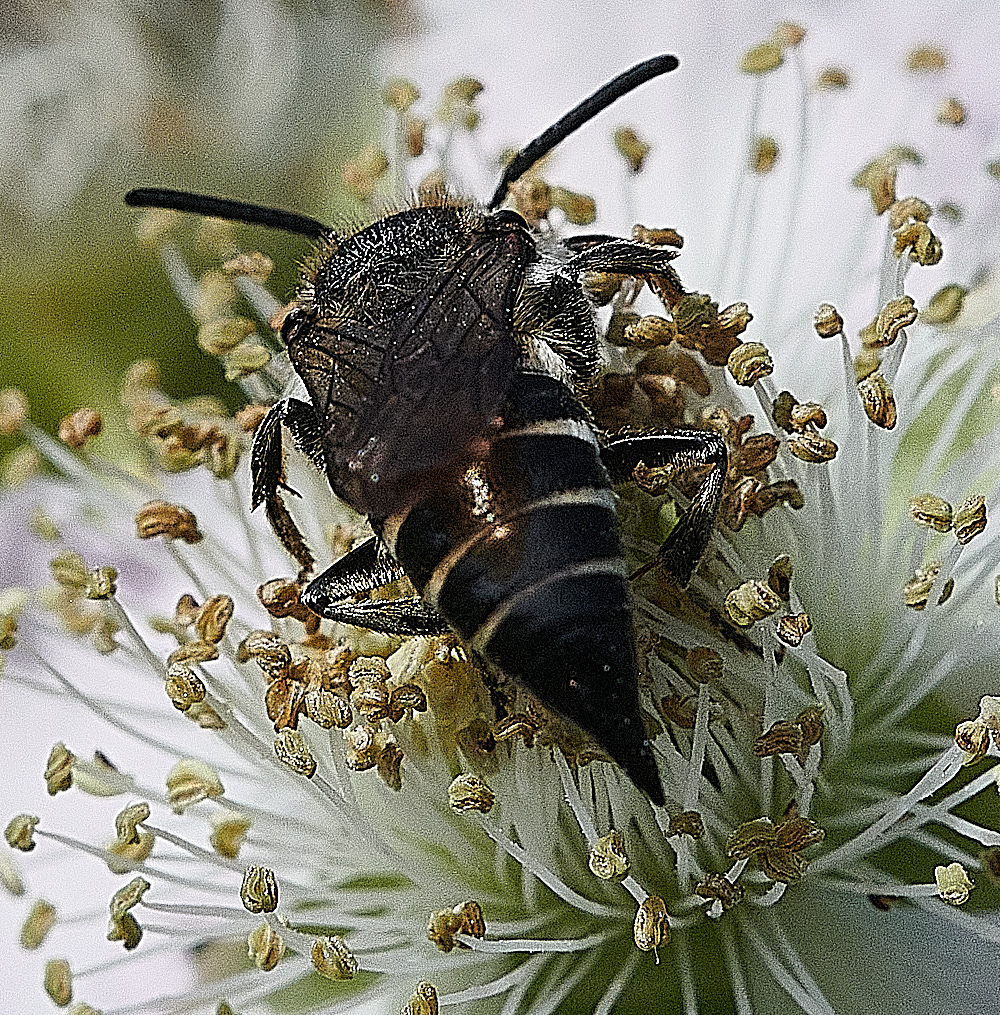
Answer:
(675, 452)
(361, 571)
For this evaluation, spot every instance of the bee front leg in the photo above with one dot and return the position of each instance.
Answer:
(267, 467)
(366, 568)
(677, 452)
(266, 458)
(601, 253)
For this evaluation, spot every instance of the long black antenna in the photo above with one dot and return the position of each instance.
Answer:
(234, 211)
(578, 116)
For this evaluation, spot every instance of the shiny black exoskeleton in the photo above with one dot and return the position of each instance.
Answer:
(444, 350)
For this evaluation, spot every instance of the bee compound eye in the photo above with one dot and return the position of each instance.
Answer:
(507, 220)
(291, 321)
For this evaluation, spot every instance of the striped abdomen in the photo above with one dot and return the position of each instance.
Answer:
(519, 550)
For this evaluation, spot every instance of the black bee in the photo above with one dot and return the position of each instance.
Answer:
(426, 343)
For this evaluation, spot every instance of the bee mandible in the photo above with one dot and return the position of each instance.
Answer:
(426, 343)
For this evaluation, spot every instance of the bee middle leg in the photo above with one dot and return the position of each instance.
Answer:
(677, 451)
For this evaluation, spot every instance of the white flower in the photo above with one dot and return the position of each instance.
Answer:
(816, 846)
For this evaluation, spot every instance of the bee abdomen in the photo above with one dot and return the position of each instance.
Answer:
(570, 639)
(555, 541)
(530, 528)
(520, 552)
(537, 505)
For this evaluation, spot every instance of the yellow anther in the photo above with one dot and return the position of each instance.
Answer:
(332, 959)
(246, 359)
(907, 209)
(763, 59)
(40, 920)
(750, 602)
(631, 148)
(608, 859)
(128, 897)
(750, 838)
(364, 745)
(812, 447)
(885, 327)
(183, 686)
(953, 883)
(931, 511)
(717, 886)
(827, 321)
(78, 427)
(924, 245)
(423, 1000)
(687, 823)
(229, 828)
(970, 518)
(400, 94)
(763, 155)
(293, 750)
(58, 982)
(927, 59)
(124, 857)
(223, 334)
(213, 618)
(259, 892)
(749, 362)
(878, 400)
(784, 737)
(127, 820)
(20, 831)
(952, 113)
(579, 209)
(832, 79)
(651, 927)
(390, 766)
(465, 918)
(945, 305)
(798, 833)
(158, 518)
(59, 769)
(788, 34)
(793, 627)
(265, 946)
(253, 265)
(470, 793)
(268, 651)
(13, 411)
(189, 782)
(973, 737)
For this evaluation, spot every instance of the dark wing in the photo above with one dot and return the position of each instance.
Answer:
(412, 399)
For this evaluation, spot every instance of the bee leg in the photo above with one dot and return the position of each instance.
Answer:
(678, 451)
(627, 257)
(583, 241)
(266, 459)
(368, 567)
(267, 467)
